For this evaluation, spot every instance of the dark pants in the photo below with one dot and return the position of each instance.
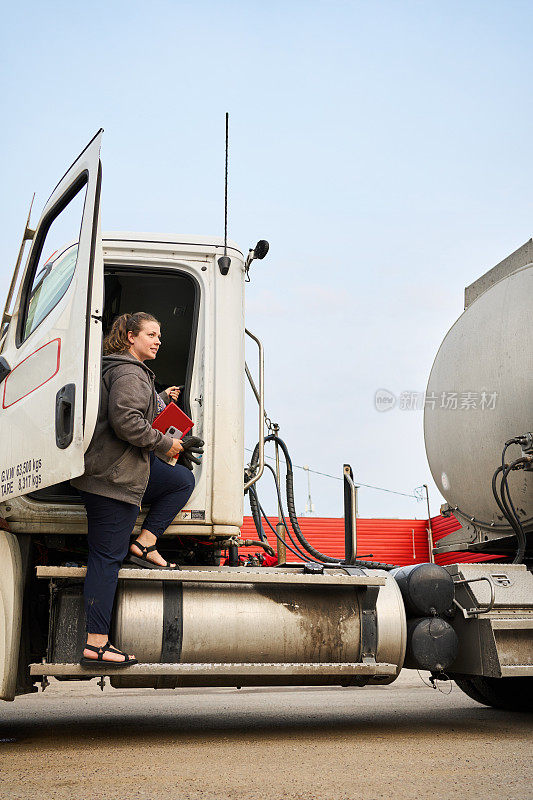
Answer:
(110, 523)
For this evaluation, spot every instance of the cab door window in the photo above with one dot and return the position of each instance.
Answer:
(52, 263)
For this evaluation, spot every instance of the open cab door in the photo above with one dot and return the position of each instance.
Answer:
(50, 369)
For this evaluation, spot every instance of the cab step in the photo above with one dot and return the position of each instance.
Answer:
(229, 670)
(226, 575)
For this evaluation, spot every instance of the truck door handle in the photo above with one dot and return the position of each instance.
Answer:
(65, 415)
(5, 369)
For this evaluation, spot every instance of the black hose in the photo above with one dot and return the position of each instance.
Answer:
(316, 554)
(506, 505)
(502, 501)
(256, 516)
(266, 547)
(304, 543)
(521, 536)
(502, 508)
(298, 553)
(302, 554)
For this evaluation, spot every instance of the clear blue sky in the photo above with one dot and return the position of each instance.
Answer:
(383, 149)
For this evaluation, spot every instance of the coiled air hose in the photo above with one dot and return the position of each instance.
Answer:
(295, 549)
(289, 484)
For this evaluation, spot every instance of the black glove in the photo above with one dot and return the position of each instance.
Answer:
(191, 445)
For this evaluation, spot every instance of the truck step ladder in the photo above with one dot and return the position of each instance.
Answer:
(225, 673)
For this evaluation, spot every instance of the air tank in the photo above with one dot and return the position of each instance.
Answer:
(427, 589)
(480, 394)
(431, 644)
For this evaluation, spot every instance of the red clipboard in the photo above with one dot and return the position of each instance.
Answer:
(174, 421)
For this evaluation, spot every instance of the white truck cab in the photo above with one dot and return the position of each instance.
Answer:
(75, 282)
(51, 351)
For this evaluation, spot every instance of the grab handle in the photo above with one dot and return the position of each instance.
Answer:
(473, 612)
(65, 400)
(260, 396)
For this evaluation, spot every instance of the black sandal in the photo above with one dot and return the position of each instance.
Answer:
(89, 662)
(143, 559)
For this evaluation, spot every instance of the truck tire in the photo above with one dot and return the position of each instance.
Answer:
(510, 694)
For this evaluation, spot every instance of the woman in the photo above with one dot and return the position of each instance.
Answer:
(121, 470)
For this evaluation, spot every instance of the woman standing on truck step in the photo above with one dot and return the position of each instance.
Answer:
(121, 470)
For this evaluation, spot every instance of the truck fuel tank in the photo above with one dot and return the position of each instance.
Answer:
(174, 622)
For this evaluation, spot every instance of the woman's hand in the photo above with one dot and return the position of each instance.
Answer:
(173, 392)
(176, 448)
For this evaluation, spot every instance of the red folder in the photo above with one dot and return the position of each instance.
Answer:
(174, 421)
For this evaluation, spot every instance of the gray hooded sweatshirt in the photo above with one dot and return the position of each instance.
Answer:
(117, 461)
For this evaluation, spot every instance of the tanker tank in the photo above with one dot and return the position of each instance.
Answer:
(479, 396)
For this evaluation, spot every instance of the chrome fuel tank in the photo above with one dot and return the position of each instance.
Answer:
(173, 622)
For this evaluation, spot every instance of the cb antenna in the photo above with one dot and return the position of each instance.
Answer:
(225, 261)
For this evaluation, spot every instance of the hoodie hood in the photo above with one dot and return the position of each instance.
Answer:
(115, 359)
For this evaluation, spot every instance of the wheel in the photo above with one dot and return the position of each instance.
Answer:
(467, 686)
(510, 694)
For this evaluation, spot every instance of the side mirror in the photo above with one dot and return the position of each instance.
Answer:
(261, 249)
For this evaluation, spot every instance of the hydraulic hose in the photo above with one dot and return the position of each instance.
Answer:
(256, 514)
(505, 503)
(297, 552)
(289, 483)
(255, 500)
(520, 534)
(266, 547)
(300, 552)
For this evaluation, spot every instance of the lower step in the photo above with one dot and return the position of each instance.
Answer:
(257, 670)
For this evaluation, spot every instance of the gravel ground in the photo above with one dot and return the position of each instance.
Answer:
(402, 741)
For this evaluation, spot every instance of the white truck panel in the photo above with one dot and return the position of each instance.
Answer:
(46, 355)
(11, 586)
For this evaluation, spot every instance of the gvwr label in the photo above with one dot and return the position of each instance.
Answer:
(22, 477)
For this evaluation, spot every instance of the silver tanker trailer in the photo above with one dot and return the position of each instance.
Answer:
(478, 421)
(320, 621)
